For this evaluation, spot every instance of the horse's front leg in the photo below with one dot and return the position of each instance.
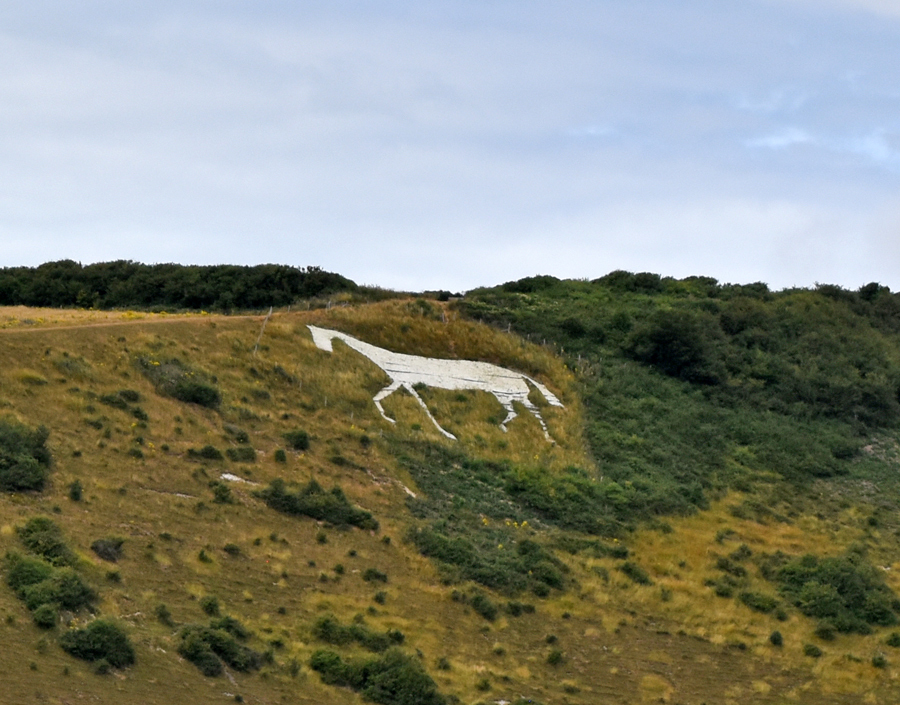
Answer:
(386, 392)
(409, 388)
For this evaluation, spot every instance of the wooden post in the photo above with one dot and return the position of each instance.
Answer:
(256, 347)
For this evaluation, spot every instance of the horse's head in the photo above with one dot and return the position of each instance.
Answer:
(322, 337)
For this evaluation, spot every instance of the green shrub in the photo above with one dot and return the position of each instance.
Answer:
(23, 571)
(757, 602)
(114, 400)
(555, 657)
(825, 630)
(313, 501)
(483, 606)
(372, 575)
(43, 537)
(164, 615)
(328, 629)
(207, 452)
(221, 493)
(175, 379)
(64, 588)
(101, 639)
(477, 555)
(297, 439)
(812, 650)
(280, 456)
(893, 640)
(391, 679)
(775, 638)
(635, 573)
(517, 609)
(46, 616)
(846, 591)
(76, 491)
(109, 549)
(879, 661)
(24, 457)
(210, 605)
(241, 454)
(209, 647)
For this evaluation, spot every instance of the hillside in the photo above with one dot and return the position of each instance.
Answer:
(649, 554)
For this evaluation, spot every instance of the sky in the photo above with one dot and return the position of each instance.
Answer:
(449, 145)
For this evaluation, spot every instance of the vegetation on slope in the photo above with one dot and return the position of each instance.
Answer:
(691, 386)
(504, 567)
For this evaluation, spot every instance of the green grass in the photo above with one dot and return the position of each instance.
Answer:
(529, 533)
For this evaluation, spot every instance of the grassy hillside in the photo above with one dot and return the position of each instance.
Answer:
(634, 560)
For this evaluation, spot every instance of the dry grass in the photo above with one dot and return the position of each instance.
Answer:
(622, 643)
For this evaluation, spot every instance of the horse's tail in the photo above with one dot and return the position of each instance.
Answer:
(548, 395)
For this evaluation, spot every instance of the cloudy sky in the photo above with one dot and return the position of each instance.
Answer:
(451, 144)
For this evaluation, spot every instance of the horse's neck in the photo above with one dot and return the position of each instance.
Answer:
(373, 352)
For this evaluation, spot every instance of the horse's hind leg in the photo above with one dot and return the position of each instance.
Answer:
(387, 391)
(510, 412)
(537, 414)
(412, 391)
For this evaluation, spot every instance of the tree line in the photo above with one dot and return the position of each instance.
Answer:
(127, 284)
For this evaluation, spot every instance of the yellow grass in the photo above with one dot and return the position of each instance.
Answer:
(622, 643)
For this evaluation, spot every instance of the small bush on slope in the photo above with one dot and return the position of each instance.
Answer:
(24, 457)
(313, 501)
(101, 639)
(391, 679)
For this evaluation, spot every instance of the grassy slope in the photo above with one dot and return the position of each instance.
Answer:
(622, 642)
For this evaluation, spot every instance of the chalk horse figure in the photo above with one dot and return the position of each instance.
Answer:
(409, 370)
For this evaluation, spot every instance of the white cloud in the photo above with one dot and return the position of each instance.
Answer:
(887, 8)
(782, 139)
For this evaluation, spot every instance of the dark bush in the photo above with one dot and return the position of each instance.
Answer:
(221, 493)
(812, 650)
(194, 392)
(483, 606)
(759, 603)
(208, 647)
(844, 590)
(313, 501)
(374, 575)
(175, 379)
(680, 344)
(391, 679)
(114, 400)
(43, 537)
(22, 571)
(64, 588)
(164, 615)
(24, 457)
(109, 549)
(241, 454)
(46, 616)
(207, 452)
(101, 639)
(331, 631)
(636, 573)
(210, 605)
(76, 491)
(297, 439)
(775, 638)
(280, 456)
(893, 640)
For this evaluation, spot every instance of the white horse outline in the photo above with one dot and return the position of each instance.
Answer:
(409, 370)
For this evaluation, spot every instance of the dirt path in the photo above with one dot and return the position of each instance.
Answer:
(43, 328)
